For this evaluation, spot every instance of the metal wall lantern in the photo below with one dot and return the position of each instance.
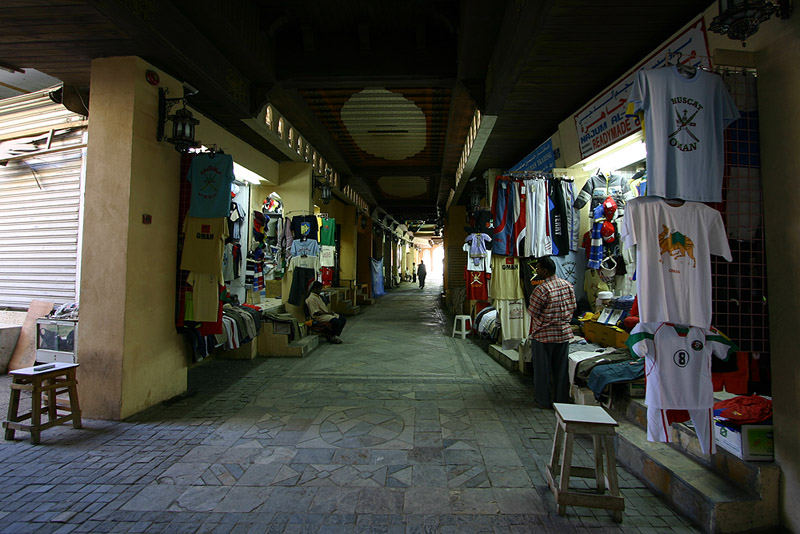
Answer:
(324, 185)
(183, 123)
(740, 19)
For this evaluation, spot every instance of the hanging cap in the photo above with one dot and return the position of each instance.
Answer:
(609, 208)
(607, 231)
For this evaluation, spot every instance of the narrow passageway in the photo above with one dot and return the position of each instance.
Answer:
(401, 428)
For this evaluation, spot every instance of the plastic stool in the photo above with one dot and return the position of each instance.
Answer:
(460, 325)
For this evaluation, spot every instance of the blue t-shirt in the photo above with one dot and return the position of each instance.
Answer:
(309, 247)
(211, 178)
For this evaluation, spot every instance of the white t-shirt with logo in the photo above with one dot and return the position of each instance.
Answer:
(678, 363)
(684, 123)
(674, 245)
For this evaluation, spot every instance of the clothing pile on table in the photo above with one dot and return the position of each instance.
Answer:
(239, 324)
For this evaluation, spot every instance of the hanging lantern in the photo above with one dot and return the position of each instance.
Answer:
(183, 124)
(325, 192)
(740, 19)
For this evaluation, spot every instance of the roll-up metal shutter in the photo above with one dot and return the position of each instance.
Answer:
(40, 200)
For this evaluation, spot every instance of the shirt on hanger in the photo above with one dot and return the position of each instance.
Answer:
(674, 245)
(678, 363)
(205, 296)
(485, 263)
(307, 247)
(203, 244)
(685, 119)
(327, 256)
(305, 226)
(327, 232)
(211, 178)
(505, 282)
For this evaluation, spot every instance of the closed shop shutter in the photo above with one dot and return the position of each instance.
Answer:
(40, 200)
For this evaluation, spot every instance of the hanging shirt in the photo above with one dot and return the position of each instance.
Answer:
(685, 120)
(484, 264)
(505, 278)
(477, 285)
(678, 363)
(674, 245)
(327, 256)
(236, 217)
(305, 226)
(477, 247)
(211, 178)
(205, 296)
(559, 229)
(227, 263)
(327, 232)
(307, 247)
(203, 244)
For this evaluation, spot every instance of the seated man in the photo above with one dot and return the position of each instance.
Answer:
(323, 320)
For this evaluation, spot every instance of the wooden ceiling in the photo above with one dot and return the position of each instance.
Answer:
(339, 69)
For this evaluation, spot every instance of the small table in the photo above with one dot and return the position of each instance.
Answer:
(50, 380)
(574, 419)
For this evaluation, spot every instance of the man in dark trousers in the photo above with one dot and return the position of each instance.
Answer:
(551, 306)
(422, 272)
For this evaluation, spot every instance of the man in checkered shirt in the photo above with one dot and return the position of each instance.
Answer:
(551, 306)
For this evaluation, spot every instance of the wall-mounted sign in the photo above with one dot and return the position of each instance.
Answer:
(603, 122)
(541, 159)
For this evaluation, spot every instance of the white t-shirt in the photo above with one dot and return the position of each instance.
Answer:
(485, 263)
(684, 123)
(673, 258)
(678, 363)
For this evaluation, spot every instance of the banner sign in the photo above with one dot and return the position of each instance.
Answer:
(541, 159)
(603, 122)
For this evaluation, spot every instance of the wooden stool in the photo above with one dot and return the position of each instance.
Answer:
(460, 325)
(574, 419)
(51, 379)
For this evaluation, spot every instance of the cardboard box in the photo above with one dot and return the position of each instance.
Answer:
(604, 335)
(749, 442)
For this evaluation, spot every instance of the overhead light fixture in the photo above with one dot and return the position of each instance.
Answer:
(183, 123)
(243, 173)
(617, 156)
(474, 199)
(740, 19)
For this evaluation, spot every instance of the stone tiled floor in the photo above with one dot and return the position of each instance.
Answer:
(400, 429)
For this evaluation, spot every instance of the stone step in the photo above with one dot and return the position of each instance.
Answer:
(708, 499)
(302, 347)
(761, 477)
(508, 358)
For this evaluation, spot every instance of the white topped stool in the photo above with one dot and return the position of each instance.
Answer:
(574, 419)
(460, 325)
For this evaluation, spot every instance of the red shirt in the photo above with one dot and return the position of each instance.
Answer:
(551, 306)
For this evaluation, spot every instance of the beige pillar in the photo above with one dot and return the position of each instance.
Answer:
(130, 354)
(349, 244)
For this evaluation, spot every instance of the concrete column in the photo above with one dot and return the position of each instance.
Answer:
(130, 353)
(349, 243)
(296, 188)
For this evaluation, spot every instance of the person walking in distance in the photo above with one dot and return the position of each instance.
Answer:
(551, 306)
(422, 272)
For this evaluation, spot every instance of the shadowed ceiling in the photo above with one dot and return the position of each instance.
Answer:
(384, 90)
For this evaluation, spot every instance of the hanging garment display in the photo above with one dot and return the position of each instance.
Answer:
(305, 247)
(211, 176)
(573, 215)
(674, 245)
(305, 226)
(505, 282)
(376, 272)
(678, 370)
(515, 322)
(483, 265)
(227, 263)
(203, 244)
(205, 296)
(538, 239)
(559, 230)
(477, 247)
(236, 217)
(685, 120)
(327, 232)
(477, 285)
(507, 209)
(598, 188)
(327, 256)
